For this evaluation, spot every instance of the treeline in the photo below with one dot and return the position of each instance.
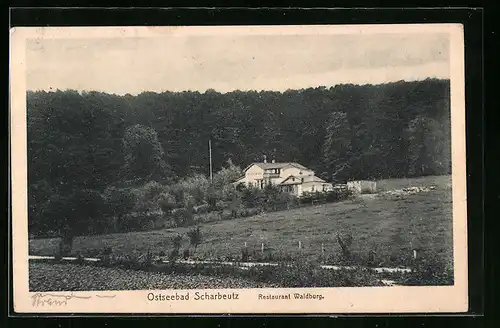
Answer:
(94, 141)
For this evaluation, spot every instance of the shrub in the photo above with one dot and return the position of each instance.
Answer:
(174, 254)
(177, 191)
(278, 201)
(244, 254)
(253, 197)
(310, 274)
(430, 270)
(235, 206)
(196, 187)
(120, 201)
(195, 237)
(209, 217)
(189, 201)
(184, 217)
(107, 250)
(176, 241)
(148, 197)
(211, 198)
(167, 202)
(325, 197)
(345, 241)
(200, 209)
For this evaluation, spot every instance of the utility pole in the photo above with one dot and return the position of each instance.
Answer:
(210, 155)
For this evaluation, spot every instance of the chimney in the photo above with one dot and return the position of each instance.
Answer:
(265, 159)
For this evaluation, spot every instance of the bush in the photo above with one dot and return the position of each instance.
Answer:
(195, 237)
(148, 198)
(167, 203)
(280, 201)
(253, 197)
(209, 217)
(244, 254)
(200, 209)
(183, 217)
(174, 254)
(177, 191)
(430, 270)
(140, 222)
(196, 187)
(345, 242)
(325, 197)
(176, 241)
(310, 274)
(119, 202)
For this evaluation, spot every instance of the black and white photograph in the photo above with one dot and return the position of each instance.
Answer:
(206, 163)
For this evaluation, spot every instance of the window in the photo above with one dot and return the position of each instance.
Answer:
(312, 188)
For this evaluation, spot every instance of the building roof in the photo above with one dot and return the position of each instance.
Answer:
(291, 180)
(277, 165)
(302, 179)
(240, 178)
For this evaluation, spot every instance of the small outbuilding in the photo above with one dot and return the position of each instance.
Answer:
(362, 186)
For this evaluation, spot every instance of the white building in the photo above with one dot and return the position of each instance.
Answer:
(289, 177)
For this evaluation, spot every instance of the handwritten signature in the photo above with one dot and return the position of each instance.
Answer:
(42, 299)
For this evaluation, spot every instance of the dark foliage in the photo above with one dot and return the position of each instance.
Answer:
(92, 141)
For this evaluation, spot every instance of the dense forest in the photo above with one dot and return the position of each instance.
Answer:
(93, 140)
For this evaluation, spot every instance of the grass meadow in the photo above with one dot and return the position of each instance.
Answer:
(388, 226)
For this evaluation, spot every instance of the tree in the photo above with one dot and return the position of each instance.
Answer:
(144, 155)
(195, 188)
(120, 201)
(223, 180)
(58, 215)
(91, 140)
(337, 146)
(91, 212)
(79, 213)
(227, 174)
(38, 195)
(427, 147)
(148, 197)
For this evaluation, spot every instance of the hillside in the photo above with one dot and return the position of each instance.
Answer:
(388, 225)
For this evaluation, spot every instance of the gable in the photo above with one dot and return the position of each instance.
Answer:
(266, 166)
(307, 179)
(291, 180)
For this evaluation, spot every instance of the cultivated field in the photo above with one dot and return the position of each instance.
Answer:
(389, 225)
(74, 277)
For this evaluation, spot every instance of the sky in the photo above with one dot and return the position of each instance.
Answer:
(226, 63)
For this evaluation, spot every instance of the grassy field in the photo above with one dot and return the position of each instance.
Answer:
(442, 181)
(389, 226)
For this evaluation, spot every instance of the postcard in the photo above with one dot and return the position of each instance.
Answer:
(238, 169)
